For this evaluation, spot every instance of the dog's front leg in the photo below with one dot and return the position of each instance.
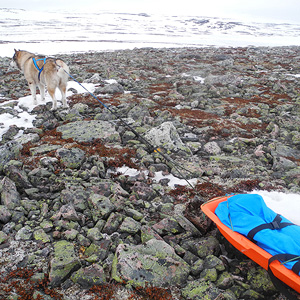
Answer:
(32, 87)
(42, 90)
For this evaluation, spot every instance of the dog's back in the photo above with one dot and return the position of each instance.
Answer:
(55, 70)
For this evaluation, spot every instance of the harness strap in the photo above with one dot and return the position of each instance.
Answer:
(278, 283)
(275, 224)
(36, 65)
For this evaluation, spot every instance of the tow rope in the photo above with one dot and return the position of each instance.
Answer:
(140, 137)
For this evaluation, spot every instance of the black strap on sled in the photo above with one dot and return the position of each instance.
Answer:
(36, 65)
(278, 283)
(275, 224)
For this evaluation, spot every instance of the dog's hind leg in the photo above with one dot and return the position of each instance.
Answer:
(32, 87)
(63, 89)
(42, 90)
(51, 91)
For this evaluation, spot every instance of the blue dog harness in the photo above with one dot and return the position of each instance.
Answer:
(39, 69)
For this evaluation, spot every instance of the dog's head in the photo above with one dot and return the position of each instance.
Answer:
(15, 60)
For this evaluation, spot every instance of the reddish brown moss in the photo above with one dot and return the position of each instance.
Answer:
(19, 281)
(208, 190)
(117, 157)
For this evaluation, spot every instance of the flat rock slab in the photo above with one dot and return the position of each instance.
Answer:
(87, 131)
(154, 262)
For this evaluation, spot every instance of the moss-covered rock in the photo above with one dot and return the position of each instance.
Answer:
(64, 263)
(41, 235)
(200, 290)
(260, 281)
(86, 131)
(155, 262)
(89, 276)
(71, 158)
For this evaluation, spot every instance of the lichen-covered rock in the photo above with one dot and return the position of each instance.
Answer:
(154, 262)
(71, 158)
(5, 214)
(10, 196)
(113, 222)
(166, 136)
(260, 281)
(14, 171)
(97, 252)
(212, 261)
(87, 131)
(129, 225)
(3, 237)
(25, 233)
(101, 206)
(68, 212)
(64, 262)
(199, 290)
(89, 276)
(41, 235)
(8, 151)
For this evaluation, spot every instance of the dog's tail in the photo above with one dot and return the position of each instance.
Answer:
(62, 70)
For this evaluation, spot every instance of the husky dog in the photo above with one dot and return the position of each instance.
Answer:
(40, 71)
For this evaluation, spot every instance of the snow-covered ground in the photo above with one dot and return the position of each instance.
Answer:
(25, 105)
(52, 33)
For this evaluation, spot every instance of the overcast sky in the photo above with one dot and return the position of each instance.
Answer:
(265, 10)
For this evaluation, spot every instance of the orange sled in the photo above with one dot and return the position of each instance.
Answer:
(250, 249)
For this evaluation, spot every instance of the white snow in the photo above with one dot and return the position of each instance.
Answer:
(287, 205)
(53, 32)
(25, 105)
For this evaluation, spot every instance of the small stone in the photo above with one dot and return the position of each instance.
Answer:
(41, 235)
(3, 237)
(71, 234)
(5, 214)
(130, 226)
(197, 267)
(71, 158)
(25, 233)
(89, 276)
(94, 234)
(46, 225)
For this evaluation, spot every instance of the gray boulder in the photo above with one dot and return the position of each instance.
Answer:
(10, 197)
(87, 131)
(71, 158)
(154, 262)
(89, 276)
(166, 136)
(8, 152)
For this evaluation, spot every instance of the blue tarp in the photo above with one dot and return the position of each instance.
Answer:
(243, 212)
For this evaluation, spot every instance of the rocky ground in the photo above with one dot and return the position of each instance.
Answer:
(72, 227)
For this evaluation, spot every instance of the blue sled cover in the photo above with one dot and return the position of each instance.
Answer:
(248, 215)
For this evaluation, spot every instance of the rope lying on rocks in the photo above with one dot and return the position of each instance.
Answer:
(151, 148)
